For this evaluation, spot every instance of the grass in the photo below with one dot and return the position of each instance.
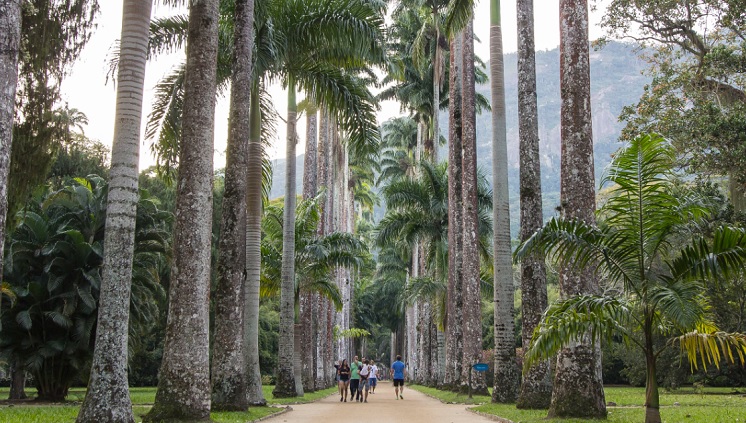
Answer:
(142, 400)
(713, 405)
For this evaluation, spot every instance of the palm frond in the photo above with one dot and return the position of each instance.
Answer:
(711, 347)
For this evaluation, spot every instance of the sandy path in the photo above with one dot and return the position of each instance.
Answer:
(382, 407)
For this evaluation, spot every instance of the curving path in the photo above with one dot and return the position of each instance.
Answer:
(382, 407)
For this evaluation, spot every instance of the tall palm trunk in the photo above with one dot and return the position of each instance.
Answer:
(472, 310)
(536, 387)
(107, 398)
(506, 371)
(652, 398)
(454, 340)
(228, 359)
(285, 386)
(184, 377)
(253, 253)
(578, 389)
(308, 301)
(10, 41)
(436, 86)
(323, 353)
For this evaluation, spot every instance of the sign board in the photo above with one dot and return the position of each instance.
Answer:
(481, 367)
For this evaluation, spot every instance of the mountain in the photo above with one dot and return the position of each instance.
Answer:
(616, 81)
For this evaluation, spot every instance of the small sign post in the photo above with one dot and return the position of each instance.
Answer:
(477, 367)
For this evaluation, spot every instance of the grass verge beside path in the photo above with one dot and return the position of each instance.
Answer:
(713, 405)
(142, 399)
(450, 397)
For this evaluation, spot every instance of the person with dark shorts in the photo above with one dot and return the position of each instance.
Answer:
(344, 380)
(398, 373)
(355, 392)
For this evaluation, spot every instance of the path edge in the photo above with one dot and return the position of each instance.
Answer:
(286, 409)
(489, 416)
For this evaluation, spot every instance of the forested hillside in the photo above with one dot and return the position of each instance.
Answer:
(616, 81)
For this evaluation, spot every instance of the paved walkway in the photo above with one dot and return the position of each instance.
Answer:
(382, 407)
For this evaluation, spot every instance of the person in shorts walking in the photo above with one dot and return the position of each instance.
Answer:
(343, 373)
(373, 378)
(355, 392)
(364, 374)
(398, 373)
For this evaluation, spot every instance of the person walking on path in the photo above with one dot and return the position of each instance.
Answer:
(355, 393)
(373, 378)
(343, 373)
(364, 374)
(398, 373)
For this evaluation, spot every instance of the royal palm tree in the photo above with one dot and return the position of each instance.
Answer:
(107, 397)
(578, 388)
(10, 42)
(655, 283)
(506, 373)
(228, 373)
(311, 55)
(536, 385)
(184, 379)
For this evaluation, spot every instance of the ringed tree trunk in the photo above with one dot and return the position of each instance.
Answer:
(255, 395)
(578, 387)
(472, 309)
(184, 377)
(437, 59)
(308, 301)
(107, 397)
(652, 398)
(506, 369)
(228, 360)
(536, 387)
(454, 340)
(285, 386)
(17, 379)
(10, 41)
(323, 348)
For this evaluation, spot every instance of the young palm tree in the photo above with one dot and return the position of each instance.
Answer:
(107, 397)
(506, 373)
(184, 377)
(536, 385)
(655, 284)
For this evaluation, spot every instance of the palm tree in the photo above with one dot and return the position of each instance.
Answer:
(184, 379)
(578, 388)
(536, 385)
(312, 53)
(10, 42)
(228, 374)
(107, 397)
(506, 373)
(655, 286)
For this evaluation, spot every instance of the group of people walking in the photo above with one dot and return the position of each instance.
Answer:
(361, 377)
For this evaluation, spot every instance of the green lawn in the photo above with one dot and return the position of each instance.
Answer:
(714, 405)
(142, 398)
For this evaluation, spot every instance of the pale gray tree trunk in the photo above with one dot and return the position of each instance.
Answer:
(506, 369)
(253, 253)
(10, 41)
(286, 386)
(472, 311)
(737, 193)
(437, 68)
(323, 352)
(228, 359)
(184, 378)
(107, 397)
(308, 300)
(454, 340)
(536, 386)
(578, 388)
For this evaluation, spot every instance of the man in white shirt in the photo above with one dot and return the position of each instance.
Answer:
(373, 378)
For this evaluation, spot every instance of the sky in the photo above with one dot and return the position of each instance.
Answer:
(86, 88)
